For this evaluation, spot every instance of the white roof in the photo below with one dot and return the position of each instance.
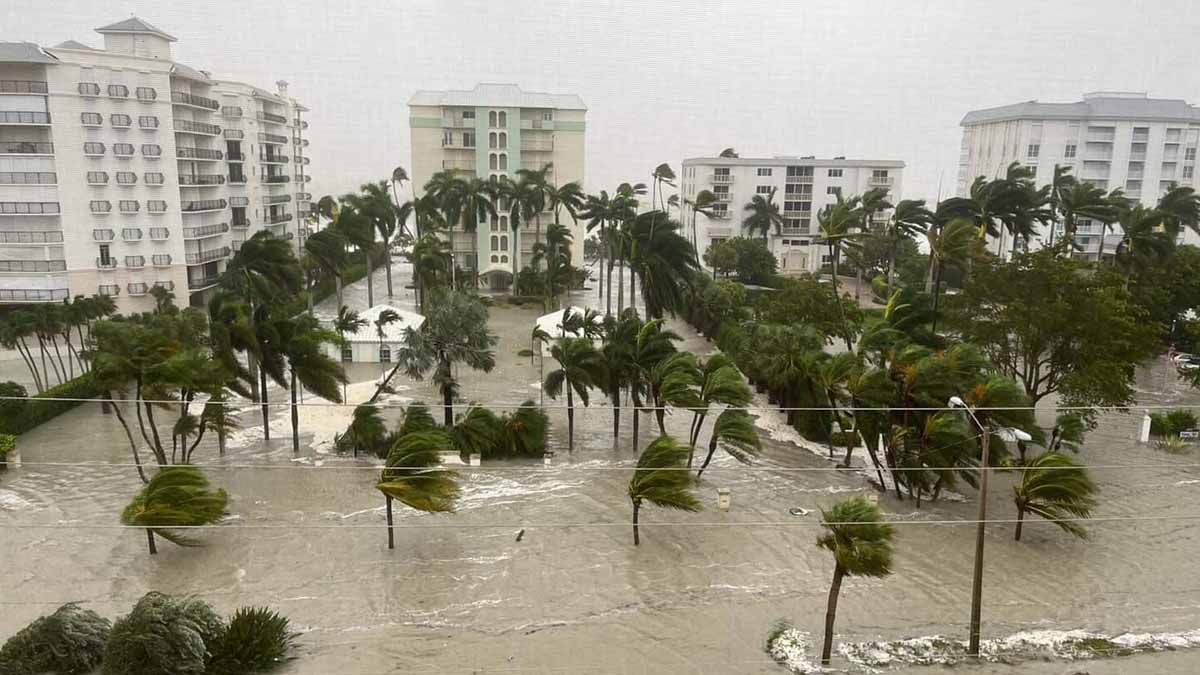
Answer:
(392, 333)
(498, 96)
(135, 25)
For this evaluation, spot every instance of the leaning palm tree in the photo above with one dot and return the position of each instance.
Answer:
(359, 230)
(763, 215)
(1180, 207)
(728, 153)
(386, 318)
(721, 383)
(662, 479)
(399, 178)
(347, 321)
(861, 544)
(524, 199)
(327, 249)
(703, 205)
(303, 344)
(734, 431)
(663, 174)
(1144, 240)
(476, 201)
(177, 496)
(838, 223)
(414, 477)
(580, 369)
(909, 220)
(1056, 488)
(950, 245)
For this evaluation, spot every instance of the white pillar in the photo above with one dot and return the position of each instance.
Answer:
(1144, 434)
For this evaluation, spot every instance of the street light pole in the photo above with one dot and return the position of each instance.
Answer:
(977, 576)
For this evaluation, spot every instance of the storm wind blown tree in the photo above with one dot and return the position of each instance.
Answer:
(861, 544)
(177, 496)
(734, 431)
(580, 369)
(414, 477)
(303, 344)
(1055, 487)
(661, 478)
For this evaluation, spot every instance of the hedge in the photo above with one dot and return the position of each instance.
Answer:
(16, 420)
(8, 443)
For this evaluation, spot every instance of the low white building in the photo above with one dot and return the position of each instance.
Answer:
(552, 325)
(365, 345)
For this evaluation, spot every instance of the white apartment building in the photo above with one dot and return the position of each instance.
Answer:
(802, 187)
(121, 169)
(1110, 139)
(491, 131)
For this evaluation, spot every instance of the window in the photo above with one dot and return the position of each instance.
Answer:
(153, 178)
(503, 258)
(1189, 154)
(798, 189)
(119, 120)
(347, 354)
(126, 178)
(493, 163)
(763, 189)
(835, 173)
(385, 354)
(1033, 150)
(122, 149)
(503, 161)
(503, 119)
(231, 111)
(105, 259)
(548, 116)
(128, 206)
(156, 206)
(151, 150)
(447, 137)
(503, 140)
(146, 93)
(492, 140)
(495, 243)
(1069, 151)
(468, 140)
(833, 190)
(93, 148)
(495, 258)
(504, 242)
(800, 171)
(763, 171)
(100, 206)
(97, 178)
(491, 118)
(91, 119)
(131, 233)
(89, 89)
(118, 91)
(1188, 171)
(468, 114)
(148, 121)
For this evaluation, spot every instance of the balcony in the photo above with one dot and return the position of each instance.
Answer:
(802, 180)
(720, 231)
(204, 179)
(135, 262)
(33, 265)
(131, 234)
(22, 117)
(723, 197)
(136, 289)
(233, 134)
(33, 294)
(272, 138)
(28, 178)
(103, 234)
(453, 123)
(235, 157)
(277, 179)
(303, 124)
(301, 160)
(795, 231)
(272, 158)
(304, 196)
(169, 285)
(200, 128)
(237, 180)
(271, 117)
(159, 234)
(533, 145)
(109, 290)
(205, 231)
(722, 179)
(458, 164)
(303, 142)
(303, 179)
(203, 282)
(277, 199)
(881, 180)
(240, 224)
(721, 215)
(198, 153)
(280, 218)
(29, 209)
(537, 124)
(201, 257)
(26, 148)
(32, 237)
(181, 98)
(202, 205)
(22, 87)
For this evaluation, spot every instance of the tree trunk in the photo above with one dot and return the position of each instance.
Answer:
(137, 459)
(660, 412)
(266, 414)
(620, 285)
(608, 287)
(295, 417)
(712, 450)
(831, 613)
(570, 420)
(616, 399)
(150, 541)
(637, 505)
(636, 405)
(937, 291)
(1020, 522)
(27, 357)
(600, 267)
(891, 277)
(370, 280)
(387, 263)
(697, 426)
(391, 537)
(837, 299)
(447, 406)
(58, 353)
(252, 368)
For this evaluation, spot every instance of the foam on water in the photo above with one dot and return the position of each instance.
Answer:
(11, 501)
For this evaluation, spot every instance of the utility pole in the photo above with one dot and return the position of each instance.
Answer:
(977, 579)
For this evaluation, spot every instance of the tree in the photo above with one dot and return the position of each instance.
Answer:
(177, 496)
(1144, 240)
(720, 383)
(804, 300)
(558, 242)
(474, 203)
(414, 477)
(455, 331)
(909, 220)
(663, 260)
(521, 433)
(598, 211)
(367, 433)
(673, 381)
(661, 479)
(327, 249)
(861, 544)
(650, 346)
(728, 153)
(1054, 487)
(386, 318)
(762, 215)
(431, 264)
(734, 431)
(837, 223)
(376, 205)
(359, 230)
(620, 338)
(948, 245)
(525, 199)
(580, 369)
(302, 342)
(399, 178)
(703, 204)
(347, 321)
(722, 257)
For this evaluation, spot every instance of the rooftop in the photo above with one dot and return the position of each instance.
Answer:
(498, 96)
(135, 25)
(1109, 105)
(788, 160)
(393, 332)
(72, 44)
(23, 52)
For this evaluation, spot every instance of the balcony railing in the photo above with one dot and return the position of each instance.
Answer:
(33, 294)
(303, 179)
(881, 180)
(29, 209)
(272, 138)
(203, 282)
(26, 148)
(190, 127)
(193, 100)
(301, 160)
(798, 179)
(205, 231)
(103, 234)
(721, 215)
(277, 179)
(276, 199)
(453, 123)
(198, 153)
(159, 234)
(33, 265)
(139, 288)
(304, 196)
(202, 257)
(271, 117)
(537, 145)
(722, 178)
(458, 164)
(272, 158)
(161, 260)
(22, 87)
(236, 157)
(240, 224)
(723, 196)
(23, 117)
(31, 237)
(109, 289)
(135, 262)
(280, 218)
(203, 205)
(169, 285)
(795, 231)
(202, 179)
(28, 178)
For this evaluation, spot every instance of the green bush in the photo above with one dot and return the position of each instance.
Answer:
(71, 640)
(162, 635)
(17, 419)
(255, 640)
(8, 444)
(1172, 422)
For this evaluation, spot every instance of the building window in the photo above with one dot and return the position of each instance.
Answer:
(126, 178)
(128, 206)
(762, 190)
(495, 243)
(503, 161)
(153, 178)
(146, 93)
(100, 206)
(97, 177)
(1188, 171)
(148, 121)
(1069, 151)
(123, 149)
(833, 190)
(493, 163)
(347, 354)
(468, 114)
(118, 91)
(151, 150)
(119, 120)
(385, 354)
(763, 171)
(547, 116)
(495, 258)
(1189, 154)
(468, 140)
(93, 148)
(89, 89)
(105, 256)
(447, 137)
(492, 140)
(156, 206)
(800, 171)
(503, 258)
(503, 242)
(1033, 150)
(835, 173)
(503, 119)
(90, 119)
(491, 118)
(798, 189)
(503, 141)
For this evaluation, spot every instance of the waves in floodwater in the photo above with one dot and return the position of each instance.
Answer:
(470, 597)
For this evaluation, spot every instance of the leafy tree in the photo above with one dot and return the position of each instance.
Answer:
(1054, 487)
(522, 433)
(177, 496)
(475, 432)
(71, 640)
(367, 433)
(950, 245)
(163, 635)
(374, 204)
(755, 263)
(414, 477)
(651, 345)
(662, 259)
(580, 369)
(431, 262)
(720, 383)
(1168, 291)
(722, 257)
(803, 300)
(327, 249)
(861, 543)
(661, 479)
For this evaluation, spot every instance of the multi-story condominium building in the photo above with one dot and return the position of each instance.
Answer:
(1113, 140)
(491, 131)
(801, 186)
(121, 169)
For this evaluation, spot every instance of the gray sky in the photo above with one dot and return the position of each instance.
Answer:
(668, 79)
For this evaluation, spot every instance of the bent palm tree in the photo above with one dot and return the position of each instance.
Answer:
(1054, 487)
(661, 479)
(837, 223)
(177, 496)
(414, 477)
(734, 431)
(861, 543)
(720, 383)
(580, 368)
(763, 215)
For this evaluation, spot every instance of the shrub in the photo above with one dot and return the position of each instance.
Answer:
(255, 640)
(162, 635)
(1172, 422)
(71, 640)
(8, 444)
(38, 410)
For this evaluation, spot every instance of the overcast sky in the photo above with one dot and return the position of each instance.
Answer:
(668, 79)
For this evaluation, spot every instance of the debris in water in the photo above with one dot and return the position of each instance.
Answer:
(799, 511)
(521, 534)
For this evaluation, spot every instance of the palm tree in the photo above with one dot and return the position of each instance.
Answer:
(580, 368)
(788, 360)
(674, 381)
(377, 205)
(425, 214)
(660, 479)
(1054, 487)
(721, 383)
(177, 496)
(1180, 207)
(663, 174)
(1075, 200)
(431, 261)
(910, 219)
(837, 223)
(539, 181)
(734, 431)
(327, 249)
(367, 432)
(558, 240)
(873, 201)
(663, 259)
(347, 321)
(763, 215)
(652, 344)
(386, 318)
(702, 204)
(950, 245)
(597, 211)
(524, 200)
(523, 432)
(303, 344)
(620, 337)
(414, 477)
(359, 230)
(728, 153)
(476, 201)
(861, 544)
(475, 432)
(399, 178)
(1144, 239)
(625, 210)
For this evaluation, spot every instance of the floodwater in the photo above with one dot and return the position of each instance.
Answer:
(461, 594)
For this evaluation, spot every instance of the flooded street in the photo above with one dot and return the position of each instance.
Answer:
(460, 593)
